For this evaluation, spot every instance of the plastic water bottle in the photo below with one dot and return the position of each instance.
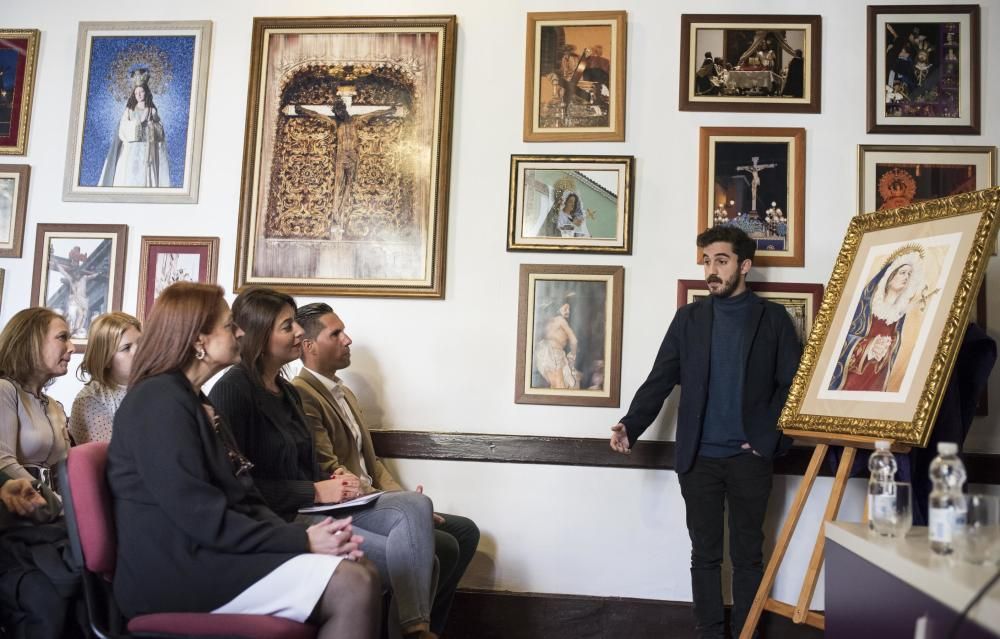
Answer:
(947, 503)
(882, 489)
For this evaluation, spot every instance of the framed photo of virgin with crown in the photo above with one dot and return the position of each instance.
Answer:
(138, 110)
(885, 341)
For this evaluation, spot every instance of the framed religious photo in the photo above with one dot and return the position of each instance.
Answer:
(574, 77)
(79, 272)
(923, 69)
(756, 63)
(138, 111)
(800, 300)
(754, 179)
(347, 156)
(13, 205)
(569, 335)
(893, 176)
(18, 58)
(893, 316)
(165, 260)
(571, 203)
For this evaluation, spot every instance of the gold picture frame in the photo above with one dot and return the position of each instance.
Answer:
(18, 57)
(347, 156)
(888, 332)
(572, 91)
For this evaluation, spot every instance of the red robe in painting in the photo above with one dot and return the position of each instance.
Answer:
(865, 374)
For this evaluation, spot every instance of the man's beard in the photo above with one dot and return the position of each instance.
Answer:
(727, 287)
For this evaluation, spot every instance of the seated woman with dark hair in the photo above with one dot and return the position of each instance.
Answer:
(194, 534)
(35, 348)
(266, 414)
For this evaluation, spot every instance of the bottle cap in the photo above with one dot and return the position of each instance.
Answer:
(882, 444)
(947, 448)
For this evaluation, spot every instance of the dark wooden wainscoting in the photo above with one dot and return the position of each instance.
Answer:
(479, 614)
(589, 451)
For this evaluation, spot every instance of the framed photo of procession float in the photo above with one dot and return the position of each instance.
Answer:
(800, 300)
(756, 63)
(571, 203)
(574, 77)
(138, 111)
(754, 179)
(166, 260)
(79, 272)
(18, 58)
(13, 207)
(347, 156)
(887, 335)
(569, 335)
(924, 69)
(891, 176)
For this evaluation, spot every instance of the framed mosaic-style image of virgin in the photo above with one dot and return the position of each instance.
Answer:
(346, 160)
(137, 112)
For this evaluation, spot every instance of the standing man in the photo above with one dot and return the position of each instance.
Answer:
(734, 354)
(344, 445)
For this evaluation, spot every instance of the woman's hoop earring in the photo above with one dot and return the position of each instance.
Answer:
(199, 354)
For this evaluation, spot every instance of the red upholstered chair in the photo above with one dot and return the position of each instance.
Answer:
(89, 518)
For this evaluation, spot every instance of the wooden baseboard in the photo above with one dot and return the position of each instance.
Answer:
(483, 614)
(590, 451)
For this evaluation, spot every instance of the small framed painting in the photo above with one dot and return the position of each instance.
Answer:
(79, 272)
(800, 300)
(923, 69)
(138, 111)
(569, 335)
(754, 179)
(754, 63)
(165, 260)
(18, 58)
(13, 205)
(571, 203)
(574, 85)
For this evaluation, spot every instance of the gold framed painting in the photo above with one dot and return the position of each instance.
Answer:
(347, 155)
(889, 329)
(18, 59)
(569, 335)
(753, 178)
(753, 63)
(580, 204)
(890, 176)
(574, 77)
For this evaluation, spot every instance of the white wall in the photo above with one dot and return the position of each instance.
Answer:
(447, 365)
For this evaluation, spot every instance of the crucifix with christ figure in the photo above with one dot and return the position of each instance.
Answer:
(754, 171)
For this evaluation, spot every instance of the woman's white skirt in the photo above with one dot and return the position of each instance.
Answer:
(291, 590)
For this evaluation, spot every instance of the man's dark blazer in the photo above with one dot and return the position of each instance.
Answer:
(771, 351)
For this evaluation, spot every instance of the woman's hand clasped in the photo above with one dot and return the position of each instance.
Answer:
(335, 537)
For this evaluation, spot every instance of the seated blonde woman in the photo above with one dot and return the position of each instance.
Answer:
(35, 348)
(107, 363)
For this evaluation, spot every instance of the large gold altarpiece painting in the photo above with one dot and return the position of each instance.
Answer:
(345, 172)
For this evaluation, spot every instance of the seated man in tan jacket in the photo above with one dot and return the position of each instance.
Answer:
(344, 446)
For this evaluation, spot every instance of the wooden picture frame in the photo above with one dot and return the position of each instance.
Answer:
(752, 63)
(800, 300)
(924, 69)
(14, 180)
(734, 188)
(572, 307)
(371, 220)
(542, 186)
(2, 274)
(119, 151)
(572, 91)
(18, 59)
(164, 260)
(888, 332)
(890, 176)
(79, 272)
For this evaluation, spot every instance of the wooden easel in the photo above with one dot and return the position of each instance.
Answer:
(800, 613)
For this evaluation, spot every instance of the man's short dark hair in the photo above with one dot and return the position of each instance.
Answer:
(308, 317)
(743, 246)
